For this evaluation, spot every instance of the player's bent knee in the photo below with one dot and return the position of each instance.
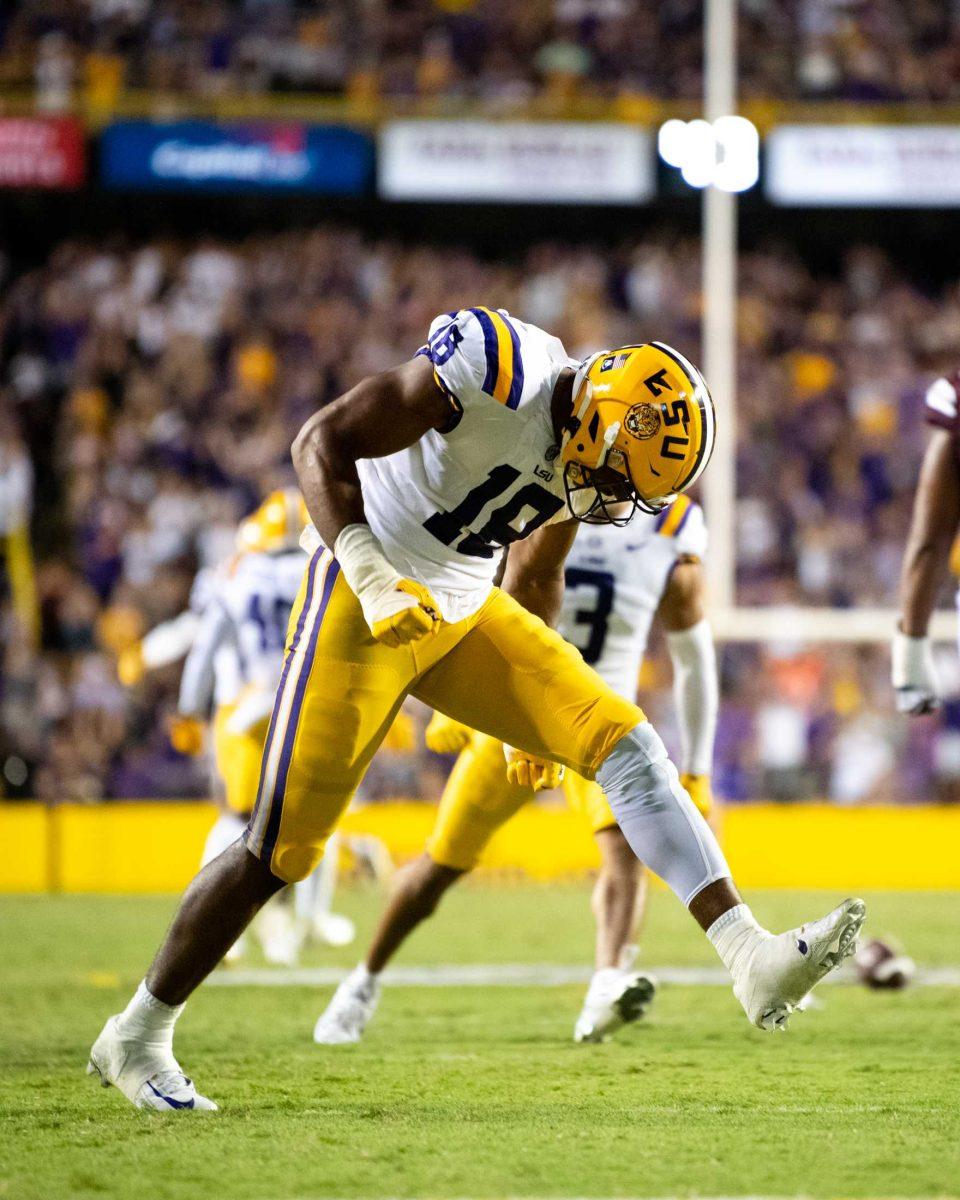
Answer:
(289, 863)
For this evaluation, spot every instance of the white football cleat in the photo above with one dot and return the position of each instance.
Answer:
(615, 998)
(346, 1016)
(145, 1072)
(334, 929)
(781, 970)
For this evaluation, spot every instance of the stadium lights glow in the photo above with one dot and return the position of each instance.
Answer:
(725, 154)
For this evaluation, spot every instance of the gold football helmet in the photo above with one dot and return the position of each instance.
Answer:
(642, 430)
(276, 525)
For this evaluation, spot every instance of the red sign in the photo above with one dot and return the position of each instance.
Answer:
(41, 152)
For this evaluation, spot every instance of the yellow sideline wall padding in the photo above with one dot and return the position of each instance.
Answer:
(155, 847)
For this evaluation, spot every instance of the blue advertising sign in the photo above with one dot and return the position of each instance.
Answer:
(260, 156)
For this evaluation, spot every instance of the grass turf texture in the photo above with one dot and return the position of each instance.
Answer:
(466, 1092)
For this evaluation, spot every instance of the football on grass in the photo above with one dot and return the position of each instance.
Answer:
(879, 965)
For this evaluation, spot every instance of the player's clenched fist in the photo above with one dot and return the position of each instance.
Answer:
(397, 610)
(527, 770)
(444, 735)
(698, 789)
(402, 613)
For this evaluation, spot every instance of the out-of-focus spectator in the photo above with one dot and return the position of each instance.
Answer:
(503, 53)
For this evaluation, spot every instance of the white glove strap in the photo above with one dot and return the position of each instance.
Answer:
(913, 663)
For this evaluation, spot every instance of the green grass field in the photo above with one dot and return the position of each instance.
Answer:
(469, 1092)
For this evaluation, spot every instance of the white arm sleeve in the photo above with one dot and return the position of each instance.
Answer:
(696, 693)
(169, 641)
(197, 680)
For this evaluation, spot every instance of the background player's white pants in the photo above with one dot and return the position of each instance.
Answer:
(313, 896)
(227, 828)
(657, 817)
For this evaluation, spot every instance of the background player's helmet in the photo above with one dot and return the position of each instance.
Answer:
(643, 428)
(276, 525)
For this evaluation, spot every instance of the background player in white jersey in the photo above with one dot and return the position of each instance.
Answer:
(416, 480)
(936, 519)
(616, 582)
(232, 670)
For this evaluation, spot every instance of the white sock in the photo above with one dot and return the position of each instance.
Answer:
(363, 976)
(148, 1018)
(734, 935)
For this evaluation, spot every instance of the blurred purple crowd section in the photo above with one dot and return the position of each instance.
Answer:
(150, 393)
(496, 51)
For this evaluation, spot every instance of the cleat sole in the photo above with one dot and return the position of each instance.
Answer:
(93, 1069)
(847, 934)
(636, 999)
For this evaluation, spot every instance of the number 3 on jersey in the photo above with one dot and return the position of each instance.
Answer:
(596, 587)
(499, 529)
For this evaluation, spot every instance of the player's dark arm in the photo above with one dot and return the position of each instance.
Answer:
(381, 415)
(936, 515)
(682, 604)
(533, 574)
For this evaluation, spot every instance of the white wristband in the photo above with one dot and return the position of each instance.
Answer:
(912, 662)
(364, 565)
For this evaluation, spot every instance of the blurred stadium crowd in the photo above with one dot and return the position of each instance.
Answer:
(174, 376)
(493, 50)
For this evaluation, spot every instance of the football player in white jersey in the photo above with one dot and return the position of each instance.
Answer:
(616, 582)
(233, 668)
(416, 480)
(936, 519)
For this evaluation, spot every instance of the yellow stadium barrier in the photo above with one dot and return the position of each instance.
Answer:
(155, 846)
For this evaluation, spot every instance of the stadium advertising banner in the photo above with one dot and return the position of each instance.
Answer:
(910, 166)
(523, 162)
(41, 152)
(203, 155)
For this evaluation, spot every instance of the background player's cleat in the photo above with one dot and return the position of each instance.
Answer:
(615, 998)
(780, 970)
(333, 929)
(146, 1072)
(348, 1013)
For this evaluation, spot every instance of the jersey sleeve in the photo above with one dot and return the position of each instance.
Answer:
(941, 403)
(476, 356)
(683, 522)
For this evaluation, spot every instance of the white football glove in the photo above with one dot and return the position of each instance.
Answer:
(914, 676)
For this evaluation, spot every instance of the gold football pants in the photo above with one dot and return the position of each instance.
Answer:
(479, 798)
(501, 671)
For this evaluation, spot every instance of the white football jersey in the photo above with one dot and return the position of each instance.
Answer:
(239, 644)
(445, 507)
(615, 578)
(258, 598)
